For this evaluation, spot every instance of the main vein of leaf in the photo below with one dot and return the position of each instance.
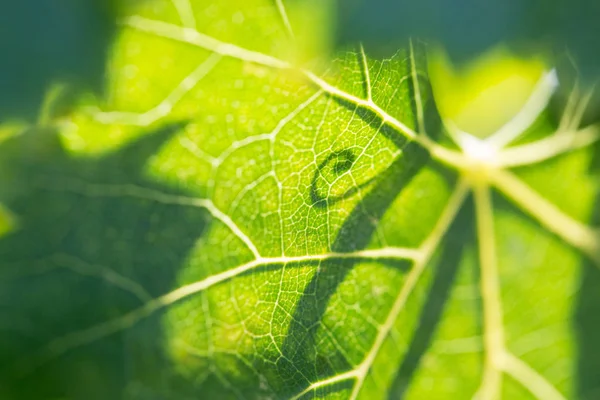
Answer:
(534, 106)
(570, 230)
(498, 358)
(190, 36)
(490, 292)
(79, 338)
(549, 148)
(425, 252)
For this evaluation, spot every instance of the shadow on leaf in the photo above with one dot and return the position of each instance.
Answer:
(78, 259)
(459, 234)
(587, 315)
(301, 362)
(299, 349)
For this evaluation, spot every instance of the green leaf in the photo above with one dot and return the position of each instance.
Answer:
(234, 221)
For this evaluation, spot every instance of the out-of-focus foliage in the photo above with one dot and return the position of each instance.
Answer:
(481, 96)
(235, 217)
(468, 27)
(44, 41)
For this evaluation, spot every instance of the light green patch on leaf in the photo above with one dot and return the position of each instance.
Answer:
(7, 220)
(233, 221)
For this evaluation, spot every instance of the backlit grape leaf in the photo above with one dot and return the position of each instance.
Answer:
(234, 221)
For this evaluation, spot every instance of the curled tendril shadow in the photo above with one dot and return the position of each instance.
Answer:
(342, 161)
(300, 353)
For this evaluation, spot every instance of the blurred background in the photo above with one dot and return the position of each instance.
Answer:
(44, 41)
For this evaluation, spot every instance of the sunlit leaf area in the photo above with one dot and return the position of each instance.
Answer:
(297, 199)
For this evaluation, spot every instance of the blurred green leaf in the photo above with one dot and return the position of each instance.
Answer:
(467, 27)
(235, 219)
(44, 41)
